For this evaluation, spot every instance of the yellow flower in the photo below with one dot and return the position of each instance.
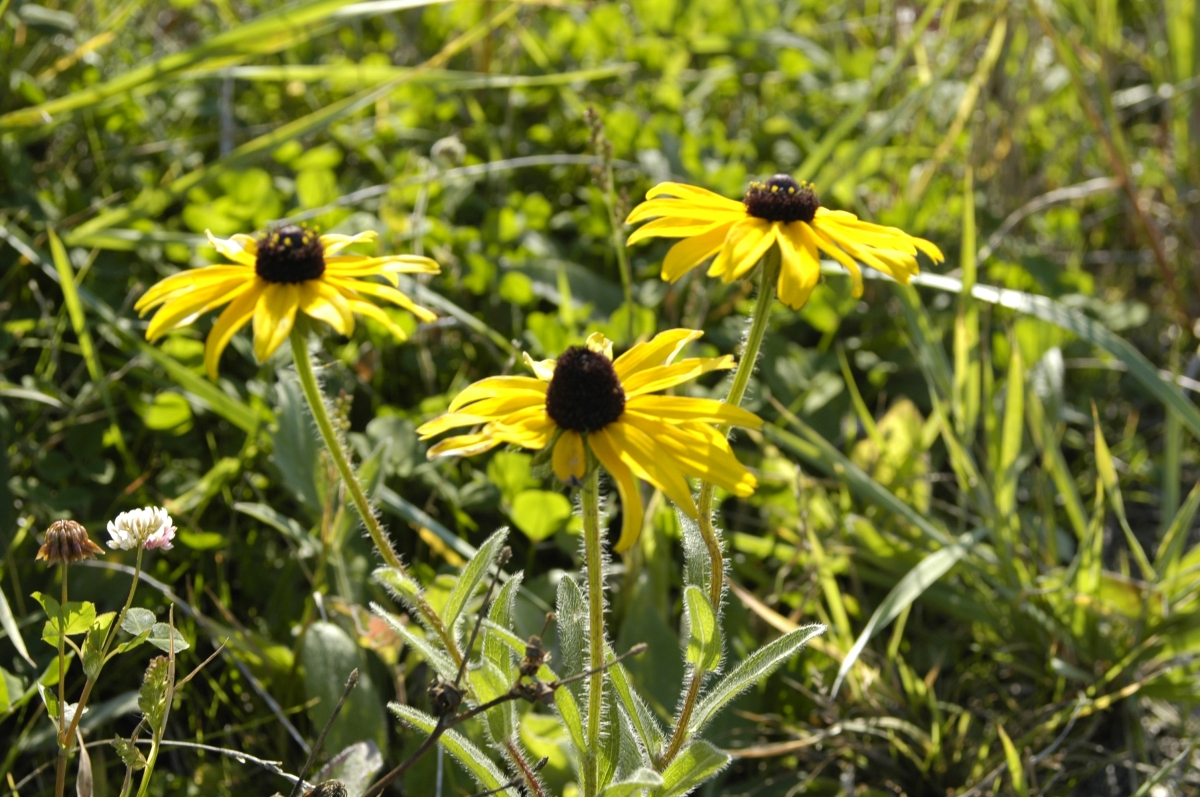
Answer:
(586, 399)
(285, 270)
(779, 211)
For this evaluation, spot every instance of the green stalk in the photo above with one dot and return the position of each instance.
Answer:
(712, 540)
(316, 404)
(109, 638)
(741, 379)
(60, 776)
(589, 495)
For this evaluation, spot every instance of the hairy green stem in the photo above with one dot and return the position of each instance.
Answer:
(716, 581)
(333, 444)
(589, 495)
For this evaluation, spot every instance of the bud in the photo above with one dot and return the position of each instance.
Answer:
(67, 542)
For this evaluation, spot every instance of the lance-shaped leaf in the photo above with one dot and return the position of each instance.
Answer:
(9, 624)
(490, 683)
(695, 764)
(645, 724)
(572, 627)
(634, 785)
(440, 662)
(700, 628)
(473, 760)
(757, 666)
(495, 648)
(471, 576)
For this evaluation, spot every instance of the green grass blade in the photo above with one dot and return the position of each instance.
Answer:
(816, 450)
(906, 591)
(271, 32)
(967, 365)
(1011, 434)
(1015, 770)
(1046, 438)
(1108, 474)
(1170, 549)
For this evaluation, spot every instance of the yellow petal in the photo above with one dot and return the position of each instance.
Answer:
(683, 408)
(273, 317)
(689, 253)
(497, 386)
(695, 194)
(799, 270)
(569, 458)
(677, 226)
(451, 420)
(335, 242)
(638, 451)
(376, 314)
(596, 342)
(385, 292)
(465, 445)
(665, 376)
(542, 369)
(659, 350)
(232, 248)
(234, 317)
(184, 281)
(178, 311)
(631, 501)
(827, 246)
(324, 303)
(745, 244)
(698, 450)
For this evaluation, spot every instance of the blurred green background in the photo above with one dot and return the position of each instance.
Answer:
(1049, 148)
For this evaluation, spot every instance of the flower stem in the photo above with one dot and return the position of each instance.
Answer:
(741, 379)
(712, 540)
(60, 776)
(589, 495)
(333, 444)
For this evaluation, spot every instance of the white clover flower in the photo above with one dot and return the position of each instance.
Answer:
(147, 528)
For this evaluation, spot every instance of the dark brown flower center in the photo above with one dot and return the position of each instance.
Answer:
(290, 254)
(782, 199)
(585, 393)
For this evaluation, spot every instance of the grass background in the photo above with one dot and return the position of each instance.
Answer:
(1050, 149)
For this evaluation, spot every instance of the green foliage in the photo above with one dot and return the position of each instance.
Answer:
(931, 468)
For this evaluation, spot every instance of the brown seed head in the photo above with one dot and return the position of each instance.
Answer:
(67, 542)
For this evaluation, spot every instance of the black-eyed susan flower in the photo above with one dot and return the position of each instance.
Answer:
(273, 276)
(779, 212)
(587, 400)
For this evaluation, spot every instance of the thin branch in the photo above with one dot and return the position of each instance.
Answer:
(351, 682)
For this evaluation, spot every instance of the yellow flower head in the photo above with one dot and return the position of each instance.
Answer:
(587, 400)
(779, 211)
(284, 270)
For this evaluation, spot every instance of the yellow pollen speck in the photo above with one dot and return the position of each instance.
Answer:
(774, 189)
(791, 190)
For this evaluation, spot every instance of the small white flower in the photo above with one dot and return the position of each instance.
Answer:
(147, 528)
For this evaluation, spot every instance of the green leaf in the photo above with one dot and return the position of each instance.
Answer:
(75, 617)
(472, 574)
(168, 412)
(568, 711)
(758, 665)
(306, 544)
(166, 638)
(1171, 547)
(329, 655)
(12, 688)
(572, 627)
(1015, 770)
(907, 590)
(129, 754)
(1108, 475)
(440, 661)
(9, 624)
(1089, 329)
(644, 723)
(1010, 439)
(490, 683)
(634, 784)
(695, 764)
(609, 753)
(816, 450)
(137, 621)
(495, 650)
(540, 513)
(152, 697)
(487, 775)
(296, 442)
(700, 628)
